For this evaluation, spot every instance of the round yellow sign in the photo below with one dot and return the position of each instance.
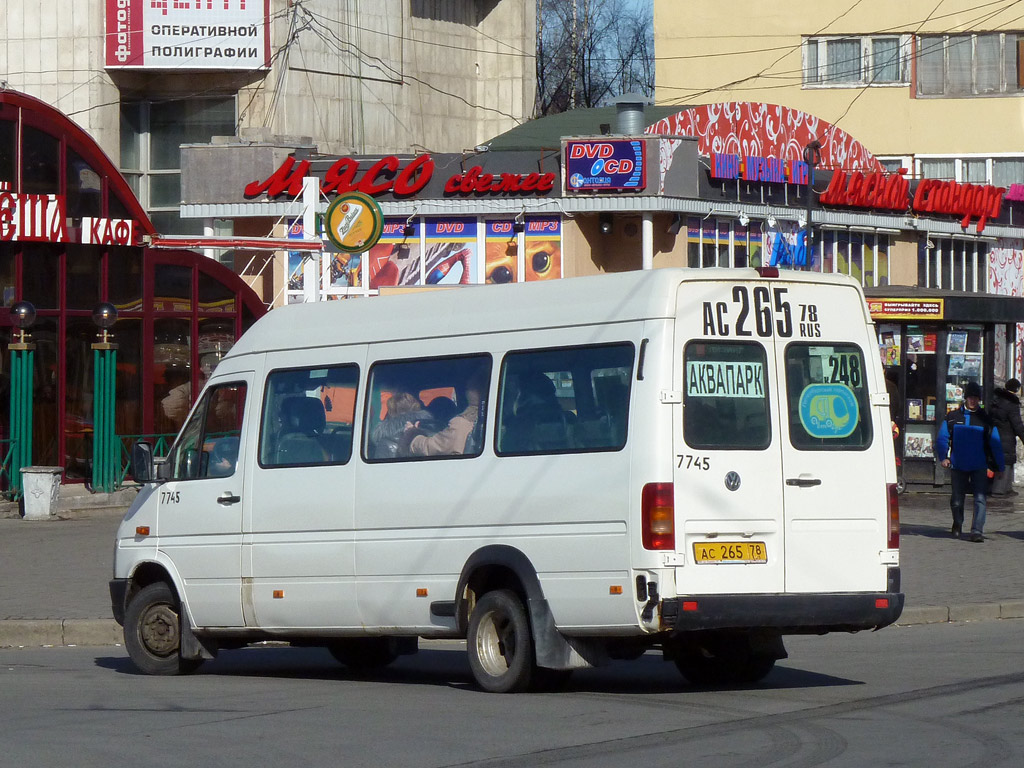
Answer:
(354, 222)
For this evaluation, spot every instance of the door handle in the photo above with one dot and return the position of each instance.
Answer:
(803, 482)
(227, 499)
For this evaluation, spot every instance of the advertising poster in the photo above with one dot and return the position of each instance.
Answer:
(183, 35)
(543, 249)
(605, 164)
(451, 252)
(397, 258)
(501, 259)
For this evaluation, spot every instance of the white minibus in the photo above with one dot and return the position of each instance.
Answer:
(561, 473)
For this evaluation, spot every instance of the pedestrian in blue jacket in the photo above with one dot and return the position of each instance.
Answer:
(969, 447)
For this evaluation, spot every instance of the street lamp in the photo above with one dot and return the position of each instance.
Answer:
(23, 316)
(106, 452)
(812, 156)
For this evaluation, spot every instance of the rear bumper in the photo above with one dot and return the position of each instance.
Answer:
(788, 614)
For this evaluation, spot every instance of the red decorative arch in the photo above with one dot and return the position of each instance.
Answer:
(41, 115)
(766, 130)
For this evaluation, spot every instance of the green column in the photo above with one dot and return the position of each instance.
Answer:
(106, 453)
(22, 372)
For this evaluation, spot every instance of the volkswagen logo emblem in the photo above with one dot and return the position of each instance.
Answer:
(732, 481)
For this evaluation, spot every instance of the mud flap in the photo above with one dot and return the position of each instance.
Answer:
(192, 647)
(553, 650)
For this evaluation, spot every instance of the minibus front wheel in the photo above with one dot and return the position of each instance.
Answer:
(500, 643)
(152, 632)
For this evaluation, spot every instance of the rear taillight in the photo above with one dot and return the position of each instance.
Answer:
(658, 510)
(893, 516)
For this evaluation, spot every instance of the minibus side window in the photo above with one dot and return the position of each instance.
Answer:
(426, 408)
(308, 416)
(208, 444)
(725, 401)
(564, 400)
(827, 397)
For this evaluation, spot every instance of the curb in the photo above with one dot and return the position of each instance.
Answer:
(28, 633)
(17, 633)
(928, 614)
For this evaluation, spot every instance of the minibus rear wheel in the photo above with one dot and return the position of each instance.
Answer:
(152, 632)
(500, 644)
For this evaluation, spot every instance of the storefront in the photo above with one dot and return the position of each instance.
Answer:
(73, 236)
(714, 186)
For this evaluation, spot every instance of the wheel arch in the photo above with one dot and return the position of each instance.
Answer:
(497, 566)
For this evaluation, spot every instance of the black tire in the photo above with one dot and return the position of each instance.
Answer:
(152, 632)
(364, 654)
(500, 644)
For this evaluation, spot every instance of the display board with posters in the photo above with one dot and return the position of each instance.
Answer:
(543, 249)
(450, 256)
(183, 35)
(397, 258)
(295, 289)
(501, 252)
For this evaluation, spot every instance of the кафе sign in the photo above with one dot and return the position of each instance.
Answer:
(43, 219)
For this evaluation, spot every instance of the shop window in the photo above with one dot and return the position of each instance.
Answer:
(7, 273)
(953, 264)
(172, 288)
(128, 415)
(83, 269)
(7, 153)
(45, 395)
(40, 275)
(172, 374)
(124, 279)
(216, 337)
(151, 136)
(84, 190)
(78, 396)
(214, 296)
(40, 153)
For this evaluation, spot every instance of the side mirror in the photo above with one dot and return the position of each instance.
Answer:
(193, 464)
(142, 462)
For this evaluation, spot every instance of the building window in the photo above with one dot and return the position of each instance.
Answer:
(952, 264)
(999, 171)
(968, 65)
(855, 61)
(152, 133)
(864, 256)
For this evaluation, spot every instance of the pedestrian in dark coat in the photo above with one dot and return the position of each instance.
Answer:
(1005, 413)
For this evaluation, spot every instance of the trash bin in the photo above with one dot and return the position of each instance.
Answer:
(40, 487)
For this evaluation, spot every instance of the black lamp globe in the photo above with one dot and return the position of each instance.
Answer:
(104, 315)
(23, 313)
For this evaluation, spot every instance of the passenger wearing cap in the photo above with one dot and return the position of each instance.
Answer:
(1004, 408)
(968, 445)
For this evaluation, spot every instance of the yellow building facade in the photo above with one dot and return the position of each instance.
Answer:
(934, 89)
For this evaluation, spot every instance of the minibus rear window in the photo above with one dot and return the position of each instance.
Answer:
(827, 397)
(725, 402)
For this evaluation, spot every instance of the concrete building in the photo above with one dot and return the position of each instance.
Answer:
(934, 88)
(144, 77)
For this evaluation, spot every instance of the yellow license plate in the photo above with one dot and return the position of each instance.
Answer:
(730, 552)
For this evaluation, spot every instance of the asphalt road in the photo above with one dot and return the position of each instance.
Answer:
(930, 695)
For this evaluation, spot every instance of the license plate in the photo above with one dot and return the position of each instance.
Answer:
(730, 552)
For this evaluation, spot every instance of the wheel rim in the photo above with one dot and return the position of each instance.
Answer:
(496, 643)
(158, 630)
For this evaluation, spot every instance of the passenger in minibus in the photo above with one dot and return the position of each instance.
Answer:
(454, 439)
(404, 412)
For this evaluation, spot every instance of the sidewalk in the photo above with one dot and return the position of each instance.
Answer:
(54, 574)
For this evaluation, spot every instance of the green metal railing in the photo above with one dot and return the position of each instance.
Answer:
(161, 444)
(12, 491)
